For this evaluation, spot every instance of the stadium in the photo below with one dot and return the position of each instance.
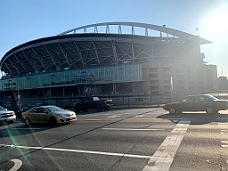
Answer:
(126, 61)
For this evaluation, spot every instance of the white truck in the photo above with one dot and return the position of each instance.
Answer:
(7, 115)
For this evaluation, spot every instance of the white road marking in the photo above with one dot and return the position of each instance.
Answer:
(9, 127)
(79, 151)
(140, 116)
(222, 123)
(17, 164)
(97, 114)
(129, 129)
(223, 127)
(163, 157)
(223, 130)
(115, 116)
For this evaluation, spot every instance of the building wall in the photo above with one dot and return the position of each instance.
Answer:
(153, 83)
(188, 77)
(211, 80)
(147, 73)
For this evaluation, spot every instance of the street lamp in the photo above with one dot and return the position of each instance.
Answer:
(170, 65)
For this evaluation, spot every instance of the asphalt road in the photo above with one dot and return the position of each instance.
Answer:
(140, 139)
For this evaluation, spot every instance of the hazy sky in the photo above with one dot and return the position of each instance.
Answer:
(25, 20)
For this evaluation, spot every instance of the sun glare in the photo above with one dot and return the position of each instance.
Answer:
(218, 23)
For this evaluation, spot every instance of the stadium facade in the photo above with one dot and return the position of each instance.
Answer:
(126, 61)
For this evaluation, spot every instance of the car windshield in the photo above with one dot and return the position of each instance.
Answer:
(188, 99)
(212, 97)
(54, 109)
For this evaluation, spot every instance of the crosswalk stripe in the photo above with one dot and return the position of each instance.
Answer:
(163, 157)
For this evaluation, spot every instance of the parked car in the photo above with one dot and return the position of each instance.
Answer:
(48, 114)
(7, 115)
(92, 103)
(199, 102)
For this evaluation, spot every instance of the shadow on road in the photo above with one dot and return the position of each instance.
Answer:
(196, 118)
(9, 130)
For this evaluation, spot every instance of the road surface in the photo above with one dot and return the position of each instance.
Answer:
(141, 139)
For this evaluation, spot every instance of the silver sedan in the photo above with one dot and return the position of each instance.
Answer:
(48, 114)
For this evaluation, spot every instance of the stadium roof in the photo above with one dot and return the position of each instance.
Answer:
(131, 27)
(102, 44)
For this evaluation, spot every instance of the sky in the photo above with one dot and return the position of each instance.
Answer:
(25, 20)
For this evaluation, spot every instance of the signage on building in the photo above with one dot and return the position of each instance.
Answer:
(174, 65)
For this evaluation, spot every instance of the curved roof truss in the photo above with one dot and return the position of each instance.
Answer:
(133, 28)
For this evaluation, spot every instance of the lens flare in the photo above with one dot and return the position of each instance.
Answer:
(218, 23)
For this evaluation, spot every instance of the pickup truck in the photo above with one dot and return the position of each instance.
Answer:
(92, 103)
(199, 102)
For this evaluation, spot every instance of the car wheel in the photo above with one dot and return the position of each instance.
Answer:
(172, 110)
(210, 110)
(53, 121)
(27, 122)
(99, 109)
(106, 109)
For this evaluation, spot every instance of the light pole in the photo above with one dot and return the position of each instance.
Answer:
(170, 65)
(171, 82)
